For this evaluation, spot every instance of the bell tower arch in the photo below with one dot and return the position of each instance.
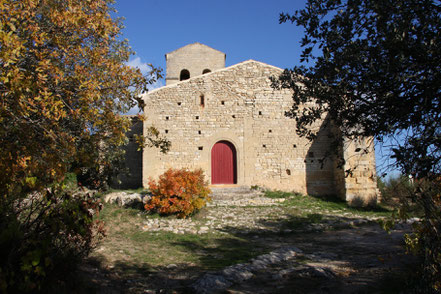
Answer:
(194, 60)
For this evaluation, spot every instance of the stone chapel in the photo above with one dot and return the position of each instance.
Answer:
(230, 122)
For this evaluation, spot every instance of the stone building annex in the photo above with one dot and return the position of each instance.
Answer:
(230, 122)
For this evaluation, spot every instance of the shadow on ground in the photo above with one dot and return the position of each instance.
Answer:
(364, 259)
(134, 278)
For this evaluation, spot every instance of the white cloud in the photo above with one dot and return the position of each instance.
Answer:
(145, 69)
(143, 66)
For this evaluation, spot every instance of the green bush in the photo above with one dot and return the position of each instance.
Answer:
(395, 189)
(44, 236)
(425, 240)
(70, 181)
(400, 192)
(420, 198)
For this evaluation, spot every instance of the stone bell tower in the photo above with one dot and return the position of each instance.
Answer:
(191, 61)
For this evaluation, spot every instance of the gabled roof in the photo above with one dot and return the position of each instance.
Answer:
(216, 71)
(195, 43)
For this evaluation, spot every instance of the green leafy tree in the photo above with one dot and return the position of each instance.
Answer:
(63, 84)
(374, 67)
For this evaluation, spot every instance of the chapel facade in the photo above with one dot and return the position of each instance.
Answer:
(230, 122)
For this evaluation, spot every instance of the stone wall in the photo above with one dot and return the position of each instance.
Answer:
(195, 58)
(133, 160)
(360, 179)
(241, 107)
(237, 104)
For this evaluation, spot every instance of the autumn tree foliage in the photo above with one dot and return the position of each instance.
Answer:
(374, 67)
(178, 192)
(63, 83)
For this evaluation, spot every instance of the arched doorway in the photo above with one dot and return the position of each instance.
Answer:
(223, 163)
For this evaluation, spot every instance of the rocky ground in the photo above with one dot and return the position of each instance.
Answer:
(339, 254)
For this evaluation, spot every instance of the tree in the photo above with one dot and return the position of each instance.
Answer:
(374, 67)
(63, 84)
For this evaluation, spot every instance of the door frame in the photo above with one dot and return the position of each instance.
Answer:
(225, 136)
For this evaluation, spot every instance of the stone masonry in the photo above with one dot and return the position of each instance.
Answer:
(132, 177)
(195, 58)
(238, 105)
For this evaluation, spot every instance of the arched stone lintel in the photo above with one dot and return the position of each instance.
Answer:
(234, 140)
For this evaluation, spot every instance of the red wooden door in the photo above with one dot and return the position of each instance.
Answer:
(223, 163)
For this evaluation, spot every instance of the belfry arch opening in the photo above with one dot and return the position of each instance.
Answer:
(223, 163)
(185, 75)
(205, 71)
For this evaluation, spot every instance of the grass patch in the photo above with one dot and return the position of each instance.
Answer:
(277, 194)
(127, 242)
(305, 204)
(315, 218)
(112, 213)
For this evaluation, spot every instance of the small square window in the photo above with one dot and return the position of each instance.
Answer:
(270, 131)
(179, 103)
(223, 102)
(200, 148)
(294, 146)
(233, 116)
(167, 118)
(260, 112)
(264, 146)
(197, 117)
(199, 132)
(166, 131)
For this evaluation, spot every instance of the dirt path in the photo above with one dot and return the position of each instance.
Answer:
(361, 260)
(358, 260)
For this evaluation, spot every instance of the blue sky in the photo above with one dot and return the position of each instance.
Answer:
(243, 29)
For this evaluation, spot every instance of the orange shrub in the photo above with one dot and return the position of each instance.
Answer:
(181, 192)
